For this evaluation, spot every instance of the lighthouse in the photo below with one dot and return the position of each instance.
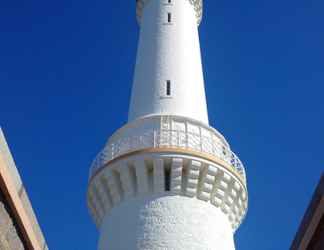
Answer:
(167, 180)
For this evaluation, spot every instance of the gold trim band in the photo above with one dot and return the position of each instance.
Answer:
(189, 152)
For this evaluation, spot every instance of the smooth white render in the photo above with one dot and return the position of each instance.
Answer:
(166, 223)
(169, 51)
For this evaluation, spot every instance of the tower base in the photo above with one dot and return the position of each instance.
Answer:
(166, 222)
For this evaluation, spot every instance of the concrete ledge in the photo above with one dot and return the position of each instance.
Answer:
(17, 200)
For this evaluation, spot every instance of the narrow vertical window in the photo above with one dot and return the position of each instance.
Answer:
(169, 1)
(167, 179)
(169, 17)
(168, 87)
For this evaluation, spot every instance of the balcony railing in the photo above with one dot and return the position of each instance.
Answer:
(170, 139)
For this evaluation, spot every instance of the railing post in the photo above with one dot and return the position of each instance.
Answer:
(178, 138)
(187, 139)
(112, 151)
(154, 138)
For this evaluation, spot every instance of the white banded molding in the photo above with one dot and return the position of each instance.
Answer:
(193, 178)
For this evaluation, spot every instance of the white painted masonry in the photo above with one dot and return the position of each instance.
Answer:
(166, 222)
(167, 180)
(169, 52)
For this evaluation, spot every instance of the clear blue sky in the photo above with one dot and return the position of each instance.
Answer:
(66, 69)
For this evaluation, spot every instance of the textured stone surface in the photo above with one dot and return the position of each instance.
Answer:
(166, 223)
(9, 239)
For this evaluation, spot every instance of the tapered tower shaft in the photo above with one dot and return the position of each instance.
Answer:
(168, 74)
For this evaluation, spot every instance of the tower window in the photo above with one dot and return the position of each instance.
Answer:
(169, 17)
(168, 87)
(167, 179)
(169, 1)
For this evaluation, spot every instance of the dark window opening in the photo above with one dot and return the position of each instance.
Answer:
(167, 179)
(168, 87)
(169, 1)
(169, 17)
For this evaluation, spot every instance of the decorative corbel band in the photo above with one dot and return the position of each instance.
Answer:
(197, 4)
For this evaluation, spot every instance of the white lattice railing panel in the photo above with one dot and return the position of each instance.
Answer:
(168, 138)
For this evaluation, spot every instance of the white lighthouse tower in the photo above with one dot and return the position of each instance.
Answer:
(167, 180)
